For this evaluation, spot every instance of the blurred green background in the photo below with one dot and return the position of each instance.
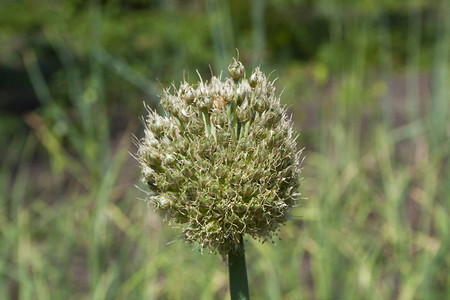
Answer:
(368, 85)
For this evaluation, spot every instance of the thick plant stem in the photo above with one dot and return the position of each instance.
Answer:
(238, 273)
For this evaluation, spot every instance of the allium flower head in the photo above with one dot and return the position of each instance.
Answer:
(223, 161)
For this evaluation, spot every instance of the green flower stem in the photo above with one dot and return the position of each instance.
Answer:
(238, 273)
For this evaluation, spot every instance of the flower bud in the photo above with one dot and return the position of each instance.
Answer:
(195, 126)
(236, 70)
(162, 202)
(256, 78)
(227, 91)
(219, 102)
(191, 191)
(152, 157)
(272, 118)
(218, 117)
(274, 139)
(180, 145)
(221, 172)
(186, 93)
(157, 126)
(172, 131)
(259, 132)
(244, 113)
(189, 96)
(182, 115)
(205, 104)
(188, 169)
(214, 189)
(169, 160)
(243, 92)
(165, 103)
(261, 104)
(247, 190)
(223, 137)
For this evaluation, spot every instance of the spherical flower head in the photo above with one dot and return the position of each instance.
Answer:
(223, 161)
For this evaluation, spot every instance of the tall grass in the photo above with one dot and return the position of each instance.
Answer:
(375, 224)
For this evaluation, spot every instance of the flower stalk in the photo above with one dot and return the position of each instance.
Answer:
(221, 163)
(238, 273)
